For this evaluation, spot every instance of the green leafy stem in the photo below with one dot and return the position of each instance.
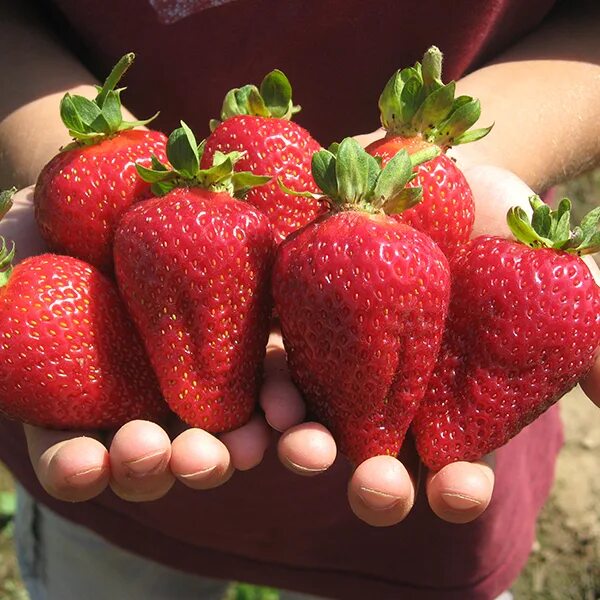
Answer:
(350, 178)
(91, 120)
(272, 99)
(548, 228)
(415, 101)
(185, 154)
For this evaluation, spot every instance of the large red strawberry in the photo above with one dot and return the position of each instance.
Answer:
(362, 300)
(194, 268)
(523, 327)
(70, 357)
(418, 110)
(257, 123)
(83, 191)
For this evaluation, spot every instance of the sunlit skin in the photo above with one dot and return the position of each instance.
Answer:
(140, 463)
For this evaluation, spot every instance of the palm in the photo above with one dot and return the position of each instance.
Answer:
(142, 462)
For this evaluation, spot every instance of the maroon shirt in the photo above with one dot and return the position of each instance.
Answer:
(267, 525)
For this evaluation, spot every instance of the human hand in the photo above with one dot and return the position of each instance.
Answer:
(139, 462)
(382, 489)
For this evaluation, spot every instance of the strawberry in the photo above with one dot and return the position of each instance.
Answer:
(362, 300)
(523, 327)
(193, 266)
(257, 123)
(83, 191)
(70, 357)
(418, 110)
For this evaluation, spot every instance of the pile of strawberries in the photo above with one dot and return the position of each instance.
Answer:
(172, 258)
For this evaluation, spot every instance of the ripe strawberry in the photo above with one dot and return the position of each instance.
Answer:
(70, 358)
(418, 110)
(83, 191)
(257, 123)
(362, 300)
(193, 267)
(523, 327)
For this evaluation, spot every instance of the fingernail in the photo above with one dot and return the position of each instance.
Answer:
(197, 473)
(86, 476)
(460, 501)
(146, 465)
(272, 426)
(378, 500)
(305, 470)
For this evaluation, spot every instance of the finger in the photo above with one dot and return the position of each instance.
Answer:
(247, 445)
(279, 397)
(461, 491)
(364, 139)
(381, 491)
(307, 449)
(593, 266)
(70, 466)
(19, 226)
(139, 458)
(591, 383)
(495, 190)
(200, 460)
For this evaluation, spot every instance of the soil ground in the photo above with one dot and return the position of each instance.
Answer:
(565, 562)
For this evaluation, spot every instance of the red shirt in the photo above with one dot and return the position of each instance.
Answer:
(267, 525)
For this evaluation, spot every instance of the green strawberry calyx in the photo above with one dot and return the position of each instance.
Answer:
(415, 102)
(89, 121)
(6, 201)
(548, 228)
(6, 257)
(185, 154)
(6, 254)
(272, 99)
(352, 179)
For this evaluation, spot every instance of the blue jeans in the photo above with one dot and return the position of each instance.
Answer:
(60, 560)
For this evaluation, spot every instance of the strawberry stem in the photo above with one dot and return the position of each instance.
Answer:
(273, 99)
(114, 77)
(6, 257)
(353, 179)
(6, 202)
(89, 121)
(185, 155)
(415, 102)
(548, 228)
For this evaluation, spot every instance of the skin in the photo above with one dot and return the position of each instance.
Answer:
(140, 462)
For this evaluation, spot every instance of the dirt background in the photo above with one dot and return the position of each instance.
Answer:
(565, 562)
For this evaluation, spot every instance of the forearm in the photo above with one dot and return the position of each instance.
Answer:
(37, 70)
(544, 97)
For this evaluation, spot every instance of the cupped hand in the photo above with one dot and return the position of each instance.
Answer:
(142, 460)
(382, 489)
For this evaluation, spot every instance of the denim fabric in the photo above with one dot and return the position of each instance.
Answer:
(63, 561)
(60, 560)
